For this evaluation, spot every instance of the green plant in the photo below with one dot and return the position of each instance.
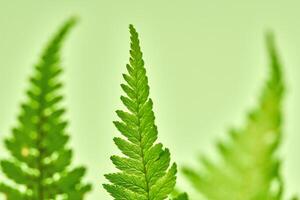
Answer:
(39, 167)
(249, 166)
(145, 172)
(182, 196)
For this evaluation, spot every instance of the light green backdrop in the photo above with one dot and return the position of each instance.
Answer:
(206, 62)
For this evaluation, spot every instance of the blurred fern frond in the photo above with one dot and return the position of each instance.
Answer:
(249, 166)
(39, 163)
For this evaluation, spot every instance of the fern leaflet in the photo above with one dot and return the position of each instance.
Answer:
(182, 196)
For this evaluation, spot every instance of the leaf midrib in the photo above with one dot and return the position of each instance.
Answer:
(140, 135)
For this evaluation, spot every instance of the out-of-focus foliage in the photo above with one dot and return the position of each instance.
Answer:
(249, 166)
(39, 163)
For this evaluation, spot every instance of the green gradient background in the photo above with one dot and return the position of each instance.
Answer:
(206, 62)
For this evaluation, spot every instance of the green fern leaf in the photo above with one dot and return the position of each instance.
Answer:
(182, 196)
(249, 166)
(144, 172)
(39, 166)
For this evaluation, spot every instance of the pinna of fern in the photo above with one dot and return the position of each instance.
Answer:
(144, 170)
(182, 196)
(249, 166)
(39, 164)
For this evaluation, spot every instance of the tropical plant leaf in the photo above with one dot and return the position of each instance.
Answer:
(249, 166)
(39, 166)
(144, 170)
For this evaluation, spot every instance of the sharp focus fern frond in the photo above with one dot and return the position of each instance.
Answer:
(145, 171)
(39, 165)
(248, 168)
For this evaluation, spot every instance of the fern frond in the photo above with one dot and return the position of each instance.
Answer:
(39, 166)
(249, 166)
(144, 170)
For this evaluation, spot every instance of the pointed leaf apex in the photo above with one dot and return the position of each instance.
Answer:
(131, 27)
(270, 42)
(74, 19)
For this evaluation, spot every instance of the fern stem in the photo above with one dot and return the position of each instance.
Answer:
(143, 157)
(41, 135)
